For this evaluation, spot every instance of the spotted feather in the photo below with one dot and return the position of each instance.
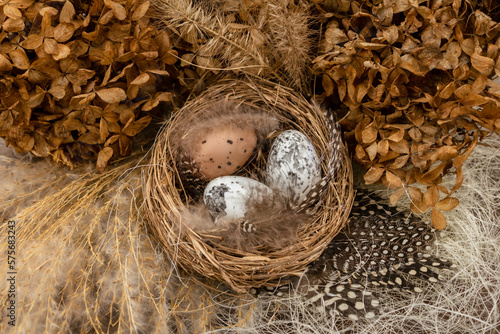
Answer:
(335, 151)
(192, 180)
(381, 249)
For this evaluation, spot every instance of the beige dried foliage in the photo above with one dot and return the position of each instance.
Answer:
(80, 80)
(417, 82)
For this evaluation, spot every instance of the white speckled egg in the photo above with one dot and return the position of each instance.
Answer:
(226, 197)
(224, 151)
(293, 166)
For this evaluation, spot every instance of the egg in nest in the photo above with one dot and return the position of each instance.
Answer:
(293, 166)
(224, 151)
(228, 197)
(220, 139)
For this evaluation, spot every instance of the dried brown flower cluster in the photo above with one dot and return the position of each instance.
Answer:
(416, 77)
(79, 79)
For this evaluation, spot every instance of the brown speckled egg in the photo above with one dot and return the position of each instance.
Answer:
(224, 151)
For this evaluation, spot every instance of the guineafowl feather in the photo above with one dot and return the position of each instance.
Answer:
(381, 249)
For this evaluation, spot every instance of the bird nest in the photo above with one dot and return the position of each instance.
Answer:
(166, 199)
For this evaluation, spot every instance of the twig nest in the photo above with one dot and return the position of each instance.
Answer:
(274, 239)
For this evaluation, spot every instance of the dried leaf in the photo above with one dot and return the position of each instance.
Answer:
(12, 12)
(415, 194)
(106, 18)
(140, 11)
(67, 12)
(397, 136)
(134, 128)
(369, 134)
(432, 174)
(431, 196)
(438, 219)
(74, 124)
(103, 130)
(50, 46)
(334, 36)
(5, 64)
(132, 91)
(118, 11)
(19, 59)
(383, 147)
(400, 162)
(447, 153)
(484, 65)
(112, 95)
(327, 83)
(63, 51)
(447, 204)
(79, 102)
(103, 158)
(483, 23)
(58, 87)
(124, 145)
(113, 127)
(372, 151)
(41, 147)
(63, 32)
(415, 134)
(412, 64)
(171, 57)
(396, 196)
(127, 115)
(159, 97)
(141, 79)
(36, 98)
(90, 138)
(394, 181)
(417, 204)
(6, 120)
(13, 25)
(33, 41)
(391, 34)
(373, 174)
(401, 147)
(389, 156)
(26, 143)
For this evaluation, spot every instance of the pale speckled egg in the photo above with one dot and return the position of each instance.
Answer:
(224, 151)
(293, 166)
(227, 197)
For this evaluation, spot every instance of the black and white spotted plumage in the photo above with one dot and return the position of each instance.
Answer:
(193, 182)
(335, 152)
(381, 249)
